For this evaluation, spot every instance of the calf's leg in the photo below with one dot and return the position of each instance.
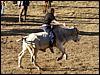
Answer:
(60, 46)
(21, 54)
(33, 53)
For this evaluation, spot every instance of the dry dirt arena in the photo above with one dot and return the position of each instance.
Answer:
(83, 57)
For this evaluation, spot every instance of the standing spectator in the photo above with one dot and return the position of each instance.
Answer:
(2, 7)
(14, 2)
(47, 5)
(23, 8)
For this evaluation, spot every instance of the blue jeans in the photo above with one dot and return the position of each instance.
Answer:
(48, 29)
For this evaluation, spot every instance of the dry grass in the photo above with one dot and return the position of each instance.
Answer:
(83, 57)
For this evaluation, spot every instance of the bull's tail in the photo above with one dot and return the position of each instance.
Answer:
(21, 38)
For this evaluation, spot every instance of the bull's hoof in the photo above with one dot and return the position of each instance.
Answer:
(20, 66)
(59, 58)
(66, 56)
(38, 68)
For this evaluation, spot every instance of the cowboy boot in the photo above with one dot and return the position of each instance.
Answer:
(51, 49)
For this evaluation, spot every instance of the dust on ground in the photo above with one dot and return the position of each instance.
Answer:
(83, 57)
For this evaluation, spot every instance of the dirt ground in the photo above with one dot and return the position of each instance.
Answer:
(83, 57)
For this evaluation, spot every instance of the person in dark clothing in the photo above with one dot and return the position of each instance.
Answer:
(48, 19)
(47, 5)
(23, 8)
